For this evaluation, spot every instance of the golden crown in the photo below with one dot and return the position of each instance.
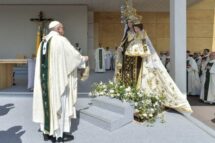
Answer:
(129, 13)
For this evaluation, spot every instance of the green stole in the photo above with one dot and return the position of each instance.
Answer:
(188, 64)
(100, 59)
(207, 80)
(44, 75)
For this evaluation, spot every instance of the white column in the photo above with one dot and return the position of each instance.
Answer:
(178, 42)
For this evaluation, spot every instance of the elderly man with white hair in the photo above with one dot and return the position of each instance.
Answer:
(55, 90)
(208, 84)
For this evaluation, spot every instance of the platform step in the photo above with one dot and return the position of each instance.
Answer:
(112, 104)
(103, 118)
(107, 113)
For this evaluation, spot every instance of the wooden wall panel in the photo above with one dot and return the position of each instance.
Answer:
(163, 44)
(6, 80)
(163, 30)
(198, 44)
(148, 17)
(199, 30)
(110, 30)
(200, 16)
(213, 48)
(150, 28)
(154, 42)
(203, 5)
(213, 45)
(201, 25)
(162, 17)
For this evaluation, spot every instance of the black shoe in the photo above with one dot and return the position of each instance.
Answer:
(67, 137)
(47, 137)
(59, 140)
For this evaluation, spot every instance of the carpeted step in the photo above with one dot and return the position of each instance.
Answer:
(107, 113)
(103, 118)
(112, 104)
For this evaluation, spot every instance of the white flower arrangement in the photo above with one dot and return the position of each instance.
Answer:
(147, 106)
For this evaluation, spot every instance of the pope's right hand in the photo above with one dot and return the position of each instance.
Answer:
(86, 58)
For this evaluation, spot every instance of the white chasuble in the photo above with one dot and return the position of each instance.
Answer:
(108, 56)
(208, 84)
(63, 61)
(100, 60)
(193, 80)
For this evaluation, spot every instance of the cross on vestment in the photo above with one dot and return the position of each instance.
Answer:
(41, 28)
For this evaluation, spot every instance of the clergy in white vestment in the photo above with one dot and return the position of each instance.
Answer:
(197, 57)
(193, 80)
(114, 53)
(55, 90)
(100, 59)
(206, 53)
(208, 84)
(204, 62)
(108, 57)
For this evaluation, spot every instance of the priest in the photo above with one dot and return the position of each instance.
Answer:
(108, 57)
(100, 59)
(55, 90)
(204, 61)
(208, 85)
(193, 80)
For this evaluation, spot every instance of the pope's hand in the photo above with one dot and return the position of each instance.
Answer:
(86, 58)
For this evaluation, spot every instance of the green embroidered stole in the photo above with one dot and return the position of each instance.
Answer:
(100, 59)
(44, 75)
(207, 80)
(188, 64)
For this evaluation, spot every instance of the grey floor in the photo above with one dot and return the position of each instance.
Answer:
(204, 112)
(16, 124)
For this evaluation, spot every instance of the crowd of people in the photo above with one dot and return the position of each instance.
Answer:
(200, 73)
